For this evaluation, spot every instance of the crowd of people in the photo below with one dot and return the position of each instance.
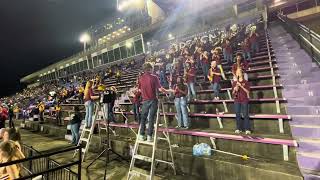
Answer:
(173, 73)
(177, 75)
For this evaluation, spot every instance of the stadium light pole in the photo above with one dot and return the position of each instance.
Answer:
(85, 38)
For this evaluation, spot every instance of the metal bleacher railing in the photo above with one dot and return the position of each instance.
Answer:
(308, 39)
(40, 166)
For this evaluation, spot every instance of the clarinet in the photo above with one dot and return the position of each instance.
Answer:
(236, 93)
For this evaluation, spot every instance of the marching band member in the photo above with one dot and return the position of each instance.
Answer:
(216, 57)
(204, 58)
(214, 78)
(190, 79)
(240, 65)
(241, 91)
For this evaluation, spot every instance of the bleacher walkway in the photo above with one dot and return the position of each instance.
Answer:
(300, 78)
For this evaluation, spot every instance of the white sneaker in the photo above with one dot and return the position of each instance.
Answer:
(149, 139)
(237, 131)
(141, 138)
(248, 132)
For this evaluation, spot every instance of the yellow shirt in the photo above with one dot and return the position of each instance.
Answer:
(58, 108)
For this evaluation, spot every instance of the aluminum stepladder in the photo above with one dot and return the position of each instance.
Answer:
(152, 159)
(87, 133)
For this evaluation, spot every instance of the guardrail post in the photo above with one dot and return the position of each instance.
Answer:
(48, 167)
(30, 162)
(80, 160)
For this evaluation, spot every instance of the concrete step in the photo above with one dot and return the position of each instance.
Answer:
(308, 144)
(304, 101)
(300, 92)
(295, 79)
(305, 120)
(307, 131)
(310, 175)
(309, 160)
(303, 110)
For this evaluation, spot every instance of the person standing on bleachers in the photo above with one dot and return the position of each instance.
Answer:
(180, 92)
(149, 86)
(89, 97)
(190, 79)
(227, 51)
(58, 114)
(204, 58)
(75, 123)
(136, 101)
(80, 93)
(246, 49)
(253, 38)
(240, 92)
(215, 78)
(240, 65)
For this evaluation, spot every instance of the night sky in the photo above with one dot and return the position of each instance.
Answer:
(37, 33)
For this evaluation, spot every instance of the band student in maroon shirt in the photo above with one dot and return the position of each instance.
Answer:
(240, 65)
(149, 86)
(240, 92)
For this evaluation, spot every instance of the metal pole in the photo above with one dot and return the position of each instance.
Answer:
(79, 164)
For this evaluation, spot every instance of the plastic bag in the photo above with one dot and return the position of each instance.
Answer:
(201, 149)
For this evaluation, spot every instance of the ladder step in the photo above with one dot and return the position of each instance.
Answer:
(143, 158)
(161, 138)
(146, 142)
(135, 173)
(84, 139)
(86, 129)
(166, 162)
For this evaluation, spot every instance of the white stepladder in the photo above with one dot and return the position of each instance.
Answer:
(87, 133)
(152, 159)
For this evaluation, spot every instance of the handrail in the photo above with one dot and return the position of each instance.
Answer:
(308, 39)
(40, 156)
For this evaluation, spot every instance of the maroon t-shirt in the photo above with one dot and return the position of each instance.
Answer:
(216, 78)
(191, 74)
(216, 58)
(245, 47)
(227, 48)
(205, 60)
(241, 95)
(253, 38)
(244, 66)
(148, 85)
(177, 93)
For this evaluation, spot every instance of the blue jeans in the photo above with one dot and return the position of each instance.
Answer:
(110, 112)
(182, 111)
(246, 55)
(191, 91)
(89, 112)
(75, 133)
(205, 69)
(136, 112)
(148, 107)
(255, 47)
(216, 89)
(244, 109)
